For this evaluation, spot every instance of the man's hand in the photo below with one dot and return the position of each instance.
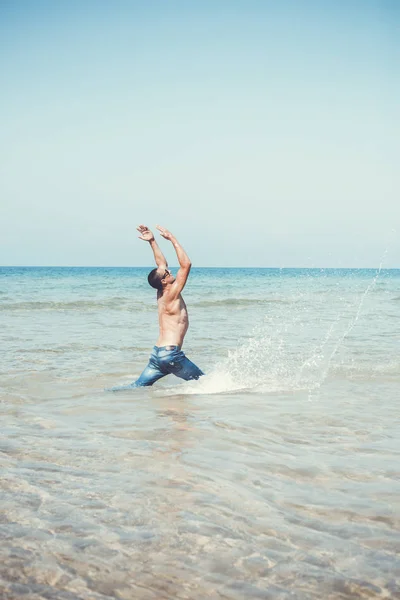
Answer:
(165, 233)
(146, 234)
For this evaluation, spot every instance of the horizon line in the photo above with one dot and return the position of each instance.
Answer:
(202, 267)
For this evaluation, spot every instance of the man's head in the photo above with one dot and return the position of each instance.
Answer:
(159, 278)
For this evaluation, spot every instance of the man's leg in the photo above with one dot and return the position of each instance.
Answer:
(150, 375)
(184, 368)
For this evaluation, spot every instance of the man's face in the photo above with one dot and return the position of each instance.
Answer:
(167, 277)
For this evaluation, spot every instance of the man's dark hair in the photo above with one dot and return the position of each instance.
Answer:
(154, 280)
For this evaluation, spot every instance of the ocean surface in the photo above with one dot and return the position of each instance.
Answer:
(276, 476)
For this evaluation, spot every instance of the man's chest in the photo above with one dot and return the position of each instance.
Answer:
(173, 307)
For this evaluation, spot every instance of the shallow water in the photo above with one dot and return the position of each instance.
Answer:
(275, 476)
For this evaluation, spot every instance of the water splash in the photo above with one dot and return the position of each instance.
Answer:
(265, 361)
(288, 354)
(352, 322)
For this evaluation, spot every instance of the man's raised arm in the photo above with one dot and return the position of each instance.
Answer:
(148, 236)
(184, 260)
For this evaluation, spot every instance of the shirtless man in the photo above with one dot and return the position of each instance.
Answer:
(167, 356)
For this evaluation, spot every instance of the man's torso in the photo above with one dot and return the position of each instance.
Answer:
(173, 320)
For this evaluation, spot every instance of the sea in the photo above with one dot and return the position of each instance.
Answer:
(275, 476)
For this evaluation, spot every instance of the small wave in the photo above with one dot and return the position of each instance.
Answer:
(388, 371)
(113, 304)
(240, 302)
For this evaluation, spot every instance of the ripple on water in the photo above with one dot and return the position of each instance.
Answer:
(183, 493)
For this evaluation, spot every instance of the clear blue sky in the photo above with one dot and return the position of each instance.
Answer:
(262, 133)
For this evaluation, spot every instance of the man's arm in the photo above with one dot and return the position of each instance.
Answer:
(148, 236)
(184, 261)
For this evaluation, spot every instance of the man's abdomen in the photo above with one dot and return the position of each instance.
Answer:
(173, 329)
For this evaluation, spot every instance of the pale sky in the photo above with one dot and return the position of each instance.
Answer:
(261, 133)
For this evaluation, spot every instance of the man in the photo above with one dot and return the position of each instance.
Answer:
(167, 356)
